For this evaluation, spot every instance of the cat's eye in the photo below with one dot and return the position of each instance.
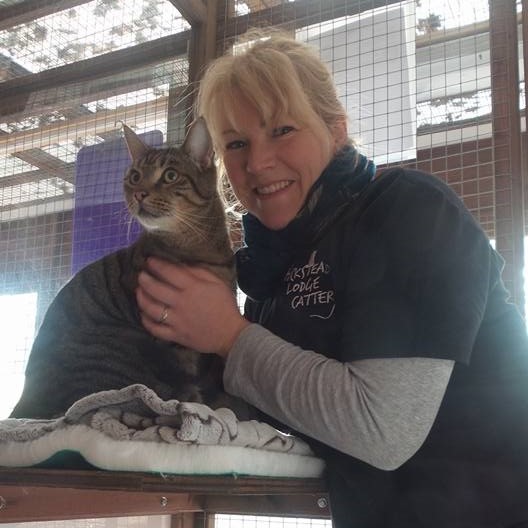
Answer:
(170, 176)
(134, 177)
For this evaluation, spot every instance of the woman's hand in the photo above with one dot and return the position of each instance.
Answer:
(189, 306)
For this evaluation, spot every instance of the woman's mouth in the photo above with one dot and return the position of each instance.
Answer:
(274, 187)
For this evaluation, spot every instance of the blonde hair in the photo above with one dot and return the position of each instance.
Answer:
(278, 76)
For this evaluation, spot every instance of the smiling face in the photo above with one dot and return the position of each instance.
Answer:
(273, 165)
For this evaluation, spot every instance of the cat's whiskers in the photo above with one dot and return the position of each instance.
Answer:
(182, 219)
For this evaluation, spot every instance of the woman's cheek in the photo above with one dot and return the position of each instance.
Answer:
(238, 182)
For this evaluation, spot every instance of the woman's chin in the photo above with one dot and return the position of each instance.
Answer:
(276, 222)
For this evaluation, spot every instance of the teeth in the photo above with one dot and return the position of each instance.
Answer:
(274, 187)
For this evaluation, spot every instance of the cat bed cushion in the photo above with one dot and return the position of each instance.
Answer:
(132, 429)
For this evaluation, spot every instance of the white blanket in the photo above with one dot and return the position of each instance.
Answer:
(132, 429)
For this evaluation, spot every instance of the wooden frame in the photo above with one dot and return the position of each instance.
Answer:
(29, 494)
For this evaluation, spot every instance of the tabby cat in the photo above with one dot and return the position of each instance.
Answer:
(91, 338)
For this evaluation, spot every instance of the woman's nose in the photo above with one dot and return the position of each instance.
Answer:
(260, 158)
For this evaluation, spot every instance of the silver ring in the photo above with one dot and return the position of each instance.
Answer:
(164, 315)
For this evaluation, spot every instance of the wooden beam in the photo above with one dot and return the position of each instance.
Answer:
(44, 207)
(509, 203)
(187, 520)
(96, 124)
(201, 51)
(201, 520)
(194, 11)
(29, 10)
(47, 163)
(34, 503)
(45, 494)
(138, 481)
(179, 113)
(296, 14)
(203, 43)
(96, 67)
(67, 173)
(10, 69)
(315, 506)
(196, 53)
(210, 31)
(67, 101)
(15, 93)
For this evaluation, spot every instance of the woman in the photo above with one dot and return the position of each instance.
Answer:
(376, 325)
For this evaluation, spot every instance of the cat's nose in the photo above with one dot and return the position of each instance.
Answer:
(140, 195)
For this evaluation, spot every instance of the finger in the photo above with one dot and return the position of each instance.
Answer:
(203, 274)
(161, 331)
(144, 298)
(151, 308)
(159, 291)
(165, 271)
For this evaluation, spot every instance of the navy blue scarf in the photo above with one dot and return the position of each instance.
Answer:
(267, 254)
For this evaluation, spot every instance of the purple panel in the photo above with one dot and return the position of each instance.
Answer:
(101, 223)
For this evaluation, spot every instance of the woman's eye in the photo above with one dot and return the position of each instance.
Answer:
(170, 176)
(282, 130)
(234, 145)
(134, 177)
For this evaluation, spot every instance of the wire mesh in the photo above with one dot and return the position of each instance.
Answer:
(62, 158)
(148, 521)
(261, 521)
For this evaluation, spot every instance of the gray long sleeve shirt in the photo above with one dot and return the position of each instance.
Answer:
(377, 410)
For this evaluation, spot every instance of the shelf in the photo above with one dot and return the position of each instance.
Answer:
(58, 494)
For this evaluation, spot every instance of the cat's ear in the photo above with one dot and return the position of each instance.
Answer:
(136, 148)
(198, 144)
